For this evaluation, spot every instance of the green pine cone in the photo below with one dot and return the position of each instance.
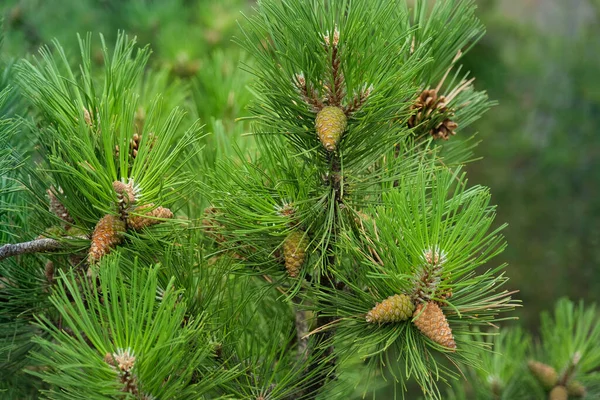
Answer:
(395, 308)
(294, 252)
(545, 374)
(330, 123)
(576, 389)
(559, 393)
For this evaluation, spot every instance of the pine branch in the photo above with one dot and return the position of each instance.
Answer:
(302, 333)
(326, 280)
(35, 246)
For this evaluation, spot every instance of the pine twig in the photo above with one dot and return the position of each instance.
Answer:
(34, 246)
(308, 94)
(325, 335)
(301, 332)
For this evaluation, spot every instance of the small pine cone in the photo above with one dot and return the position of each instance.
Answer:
(109, 359)
(430, 106)
(107, 234)
(57, 208)
(432, 322)
(294, 252)
(49, 272)
(559, 393)
(135, 144)
(576, 389)
(125, 189)
(330, 123)
(395, 308)
(138, 222)
(211, 226)
(544, 373)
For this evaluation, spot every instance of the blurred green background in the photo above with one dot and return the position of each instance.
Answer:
(540, 146)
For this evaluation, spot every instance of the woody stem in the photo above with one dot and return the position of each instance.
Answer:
(34, 246)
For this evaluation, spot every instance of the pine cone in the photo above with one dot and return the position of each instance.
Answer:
(211, 226)
(125, 190)
(431, 321)
(57, 208)
(429, 107)
(395, 308)
(107, 234)
(545, 374)
(559, 393)
(49, 272)
(294, 252)
(330, 123)
(135, 144)
(125, 197)
(138, 222)
(576, 389)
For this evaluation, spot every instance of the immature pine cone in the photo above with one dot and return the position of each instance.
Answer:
(428, 107)
(49, 271)
(138, 222)
(57, 208)
(433, 323)
(395, 308)
(107, 234)
(576, 389)
(559, 393)
(125, 190)
(544, 373)
(294, 252)
(330, 123)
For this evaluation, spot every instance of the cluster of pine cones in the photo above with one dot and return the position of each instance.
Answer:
(110, 229)
(426, 314)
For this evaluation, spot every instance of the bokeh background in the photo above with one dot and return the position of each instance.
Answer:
(540, 146)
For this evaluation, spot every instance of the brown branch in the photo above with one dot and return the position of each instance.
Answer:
(358, 100)
(325, 364)
(308, 94)
(301, 332)
(568, 372)
(34, 246)
(336, 90)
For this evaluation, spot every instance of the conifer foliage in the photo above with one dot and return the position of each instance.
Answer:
(344, 245)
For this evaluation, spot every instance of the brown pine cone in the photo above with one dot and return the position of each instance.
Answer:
(429, 107)
(153, 217)
(57, 208)
(431, 321)
(107, 234)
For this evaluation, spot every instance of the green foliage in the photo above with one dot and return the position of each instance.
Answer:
(88, 120)
(565, 346)
(328, 255)
(125, 320)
